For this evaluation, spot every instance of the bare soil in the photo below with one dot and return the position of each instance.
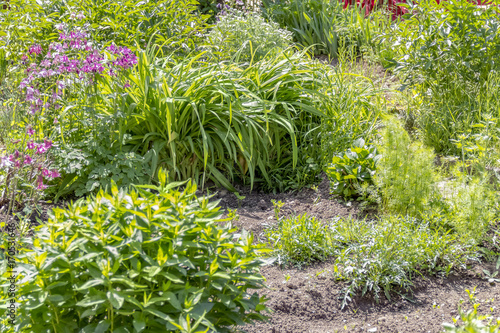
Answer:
(309, 301)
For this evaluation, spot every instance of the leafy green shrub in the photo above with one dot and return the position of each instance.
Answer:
(389, 252)
(90, 165)
(352, 168)
(300, 240)
(174, 23)
(446, 52)
(405, 174)
(139, 262)
(244, 37)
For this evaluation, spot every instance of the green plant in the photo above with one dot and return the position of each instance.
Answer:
(90, 165)
(152, 259)
(299, 240)
(223, 122)
(405, 174)
(379, 256)
(246, 37)
(321, 24)
(277, 208)
(175, 24)
(445, 52)
(352, 106)
(353, 167)
(472, 321)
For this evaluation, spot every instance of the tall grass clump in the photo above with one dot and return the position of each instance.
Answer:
(405, 173)
(224, 122)
(352, 107)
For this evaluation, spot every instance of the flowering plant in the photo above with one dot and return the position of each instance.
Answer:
(26, 172)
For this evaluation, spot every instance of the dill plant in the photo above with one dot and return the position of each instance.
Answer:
(405, 174)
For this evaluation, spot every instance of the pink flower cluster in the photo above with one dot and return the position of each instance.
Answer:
(32, 158)
(74, 58)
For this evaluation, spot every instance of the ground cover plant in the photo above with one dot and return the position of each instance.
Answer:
(383, 116)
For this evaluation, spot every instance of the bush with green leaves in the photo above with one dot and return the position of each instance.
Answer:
(299, 240)
(447, 53)
(352, 168)
(90, 165)
(246, 36)
(174, 23)
(406, 175)
(153, 259)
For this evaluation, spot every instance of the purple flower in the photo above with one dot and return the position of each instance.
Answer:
(31, 145)
(41, 149)
(40, 185)
(30, 131)
(126, 85)
(35, 49)
(45, 172)
(47, 144)
(54, 174)
(28, 160)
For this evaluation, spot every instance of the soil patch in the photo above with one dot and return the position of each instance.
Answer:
(308, 299)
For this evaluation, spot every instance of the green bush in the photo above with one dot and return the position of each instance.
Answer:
(300, 240)
(174, 23)
(352, 168)
(447, 52)
(244, 37)
(405, 174)
(142, 261)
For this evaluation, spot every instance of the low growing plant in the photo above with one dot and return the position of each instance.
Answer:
(388, 253)
(299, 239)
(472, 321)
(149, 260)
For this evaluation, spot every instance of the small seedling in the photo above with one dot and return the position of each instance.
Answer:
(232, 214)
(287, 277)
(277, 208)
(240, 198)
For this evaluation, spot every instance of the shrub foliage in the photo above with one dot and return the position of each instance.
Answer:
(140, 262)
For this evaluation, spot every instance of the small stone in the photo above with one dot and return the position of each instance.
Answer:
(373, 329)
